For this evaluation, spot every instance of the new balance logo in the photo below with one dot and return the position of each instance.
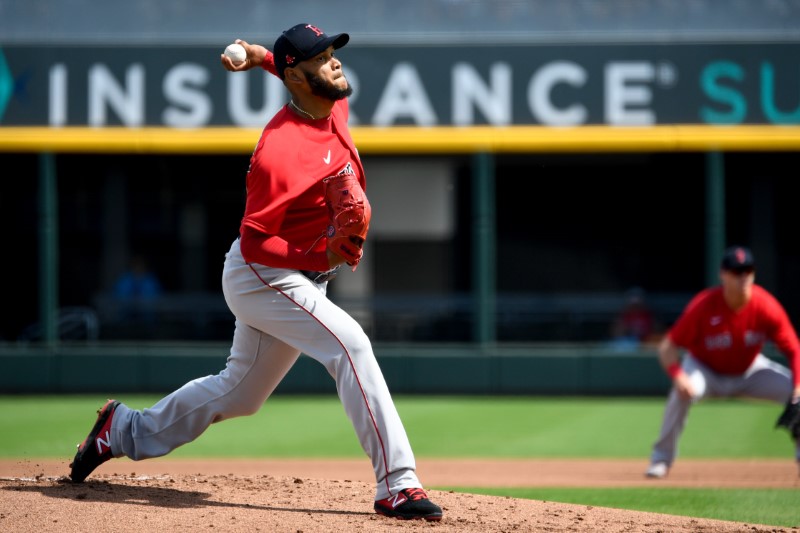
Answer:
(397, 499)
(100, 443)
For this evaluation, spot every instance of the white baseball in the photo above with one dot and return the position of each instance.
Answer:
(236, 52)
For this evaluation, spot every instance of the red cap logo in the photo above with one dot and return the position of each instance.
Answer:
(740, 255)
(314, 29)
(289, 59)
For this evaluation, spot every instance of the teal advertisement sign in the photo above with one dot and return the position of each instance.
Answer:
(624, 85)
(6, 85)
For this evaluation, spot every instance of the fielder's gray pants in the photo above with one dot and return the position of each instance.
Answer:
(765, 379)
(279, 314)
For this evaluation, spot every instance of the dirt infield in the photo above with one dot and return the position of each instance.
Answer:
(323, 495)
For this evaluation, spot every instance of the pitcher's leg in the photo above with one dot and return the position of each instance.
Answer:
(369, 405)
(323, 331)
(256, 365)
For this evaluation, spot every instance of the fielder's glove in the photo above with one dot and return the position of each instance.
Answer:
(349, 212)
(790, 418)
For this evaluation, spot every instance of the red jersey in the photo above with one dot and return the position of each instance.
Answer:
(728, 341)
(285, 193)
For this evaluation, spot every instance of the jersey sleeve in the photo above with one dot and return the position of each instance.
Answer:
(269, 63)
(684, 331)
(784, 336)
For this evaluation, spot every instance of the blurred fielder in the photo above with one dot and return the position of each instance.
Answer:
(722, 330)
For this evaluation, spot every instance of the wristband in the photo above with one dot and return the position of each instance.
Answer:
(674, 369)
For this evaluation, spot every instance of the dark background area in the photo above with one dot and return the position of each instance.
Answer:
(566, 223)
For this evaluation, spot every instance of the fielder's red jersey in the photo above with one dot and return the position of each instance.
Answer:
(728, 341)
(285, 192)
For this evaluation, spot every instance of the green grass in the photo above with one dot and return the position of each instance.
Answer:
(499, 427)
(775, 507)
(437, 426)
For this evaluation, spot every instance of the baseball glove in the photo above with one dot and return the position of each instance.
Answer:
(349, 213)
(790, 418)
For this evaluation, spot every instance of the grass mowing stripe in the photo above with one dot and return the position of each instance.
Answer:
(585, 427)
(499, 427)
(299, 427)
(774, 507)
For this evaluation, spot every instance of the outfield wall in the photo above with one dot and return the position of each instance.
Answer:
(409, 369)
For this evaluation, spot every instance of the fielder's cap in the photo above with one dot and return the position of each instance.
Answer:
(738, 258)
(302, 42)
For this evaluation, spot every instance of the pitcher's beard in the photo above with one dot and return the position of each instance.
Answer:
(323, 89)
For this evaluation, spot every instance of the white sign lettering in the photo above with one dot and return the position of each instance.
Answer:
(182, 87)
(620, 93)
(105, 92)
(541, 88)
(470, 92)
(404, 96)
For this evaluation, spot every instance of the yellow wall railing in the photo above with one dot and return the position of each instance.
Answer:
(414, 140)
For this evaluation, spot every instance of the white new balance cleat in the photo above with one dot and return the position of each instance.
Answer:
(657, 470)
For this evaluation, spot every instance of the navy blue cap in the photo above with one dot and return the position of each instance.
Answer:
(738, 258)
(302, 42)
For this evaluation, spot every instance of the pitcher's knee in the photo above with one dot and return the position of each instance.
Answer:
(353, 340)
(239, 407)
(354, 348)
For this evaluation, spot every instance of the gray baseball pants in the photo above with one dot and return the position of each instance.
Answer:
(765, 379)
(280, 314)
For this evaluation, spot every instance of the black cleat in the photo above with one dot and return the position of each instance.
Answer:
(409, 504)
(96, 449)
